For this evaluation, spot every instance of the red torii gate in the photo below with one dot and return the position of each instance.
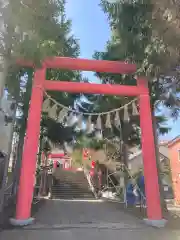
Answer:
(26, 184)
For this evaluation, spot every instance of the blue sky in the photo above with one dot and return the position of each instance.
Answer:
(91, 28)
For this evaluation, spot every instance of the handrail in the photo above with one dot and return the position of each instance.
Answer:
(113, 184)
(8, 187)
(89, 179)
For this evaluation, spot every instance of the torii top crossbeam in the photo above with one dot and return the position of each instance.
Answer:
(85, 65)
(115, 67)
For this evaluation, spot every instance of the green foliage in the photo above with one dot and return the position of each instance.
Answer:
(84, 141)
(96, 144)
(56, 132)
(77, 158)
(42, 30)
(133, 40)
(34, 30)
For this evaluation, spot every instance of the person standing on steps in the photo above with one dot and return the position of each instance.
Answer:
(130, 197)
(141, 188)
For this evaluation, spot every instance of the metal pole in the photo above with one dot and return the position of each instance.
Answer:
(123, 149)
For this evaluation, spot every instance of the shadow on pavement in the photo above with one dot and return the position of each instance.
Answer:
(10, 210)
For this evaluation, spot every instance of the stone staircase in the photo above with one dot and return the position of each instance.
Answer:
(69, 184)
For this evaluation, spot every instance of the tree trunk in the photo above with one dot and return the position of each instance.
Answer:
(124, 138)
(5, 60)
(40, 149)
(125, 161)
(18, 160)
(7, 160)
(161, 188)
(3, 75)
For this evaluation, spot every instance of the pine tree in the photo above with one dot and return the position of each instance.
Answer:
(59, 43)
(30, 30)
(136, 38)
(133, 40)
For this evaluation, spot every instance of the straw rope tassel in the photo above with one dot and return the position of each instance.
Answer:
(99, 135)
(62, 114)
(134, 109)
(126, 114)
(99, 123)
(80, 121)
(69, 119)
(117, 120)
(88, 124)
(53, 112)
(46, 105)
(108, 121)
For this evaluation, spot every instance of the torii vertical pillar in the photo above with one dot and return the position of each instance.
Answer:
(28, 168)
(154, 211)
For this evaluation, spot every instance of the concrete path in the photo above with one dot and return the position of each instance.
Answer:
(86, 220)
(64, 212)
(89, 234)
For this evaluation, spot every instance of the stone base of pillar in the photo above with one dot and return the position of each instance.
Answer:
(21, 223)
(156, 223)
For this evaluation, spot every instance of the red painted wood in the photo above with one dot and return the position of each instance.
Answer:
(56, 155)
(93, 164)
(28, 168)
(85, 65)
(92, 88)
(154, 211)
